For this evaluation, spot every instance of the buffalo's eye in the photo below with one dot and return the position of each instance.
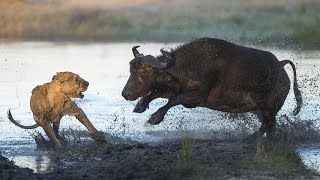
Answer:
(142, 72)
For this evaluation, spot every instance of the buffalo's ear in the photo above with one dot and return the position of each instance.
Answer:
(135, 63)
(166, 54)
(167, 57)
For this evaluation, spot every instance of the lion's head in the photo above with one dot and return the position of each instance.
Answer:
(71, 84)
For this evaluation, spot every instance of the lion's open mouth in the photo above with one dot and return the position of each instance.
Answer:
(81, 90)
(81, 95)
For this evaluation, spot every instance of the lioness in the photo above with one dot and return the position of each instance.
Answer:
(50, 101)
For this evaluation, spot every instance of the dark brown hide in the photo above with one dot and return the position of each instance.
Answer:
(216, 74)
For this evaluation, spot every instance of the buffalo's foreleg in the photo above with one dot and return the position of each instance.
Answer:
(187, 99)
(143, 103)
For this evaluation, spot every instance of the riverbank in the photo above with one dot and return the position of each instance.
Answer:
(285, 24)
(187, 158)
(8, 170)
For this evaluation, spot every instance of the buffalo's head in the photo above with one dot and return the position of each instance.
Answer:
(144, 70)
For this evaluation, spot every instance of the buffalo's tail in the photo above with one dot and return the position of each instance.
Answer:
(19, 125)
(296, 91)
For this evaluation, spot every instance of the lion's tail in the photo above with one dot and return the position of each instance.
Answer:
(17, 124)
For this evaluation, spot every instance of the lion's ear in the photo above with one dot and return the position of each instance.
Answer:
(55, 77)
(58, 78)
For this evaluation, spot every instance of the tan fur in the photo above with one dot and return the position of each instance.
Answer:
(51, 101)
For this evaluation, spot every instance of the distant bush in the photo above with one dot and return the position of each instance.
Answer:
(263, 23)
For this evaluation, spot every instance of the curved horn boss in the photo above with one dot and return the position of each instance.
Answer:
(156, 62)
(153, 61)
(135, 51)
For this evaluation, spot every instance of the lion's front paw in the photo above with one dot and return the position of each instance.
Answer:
(99, 137)
(57, 145)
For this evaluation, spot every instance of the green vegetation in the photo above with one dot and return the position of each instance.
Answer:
(271, 23)
(279, 155)
(277, 158)
(193, 171)
(186, 149)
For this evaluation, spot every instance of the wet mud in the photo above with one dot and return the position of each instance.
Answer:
(185, 158)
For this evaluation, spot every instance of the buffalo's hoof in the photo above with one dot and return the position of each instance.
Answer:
(156, 119)
(140, 107)
(99, 137)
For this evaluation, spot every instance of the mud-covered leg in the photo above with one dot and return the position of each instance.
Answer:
(56, 129)
(188, 99)
(50, 133)
(73, 110)
(143, 103)
(92, 130)
(270, 125)
(56, 126)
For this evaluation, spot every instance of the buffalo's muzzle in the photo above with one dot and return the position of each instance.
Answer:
(127, 95)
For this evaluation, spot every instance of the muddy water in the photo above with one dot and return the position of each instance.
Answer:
(105, 66)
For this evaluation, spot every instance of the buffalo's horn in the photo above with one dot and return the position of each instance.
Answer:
(135, 51)
(167, 56)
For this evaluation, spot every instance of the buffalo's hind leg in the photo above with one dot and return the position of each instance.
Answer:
(268, 125)
(188, 100)
(272, 104)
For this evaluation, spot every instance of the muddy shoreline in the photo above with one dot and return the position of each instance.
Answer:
(8, 170)
(179, 159)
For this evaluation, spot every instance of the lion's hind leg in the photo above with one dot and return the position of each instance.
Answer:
(56, 129)
(51, 134)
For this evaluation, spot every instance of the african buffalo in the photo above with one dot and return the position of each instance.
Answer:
(212, 73)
